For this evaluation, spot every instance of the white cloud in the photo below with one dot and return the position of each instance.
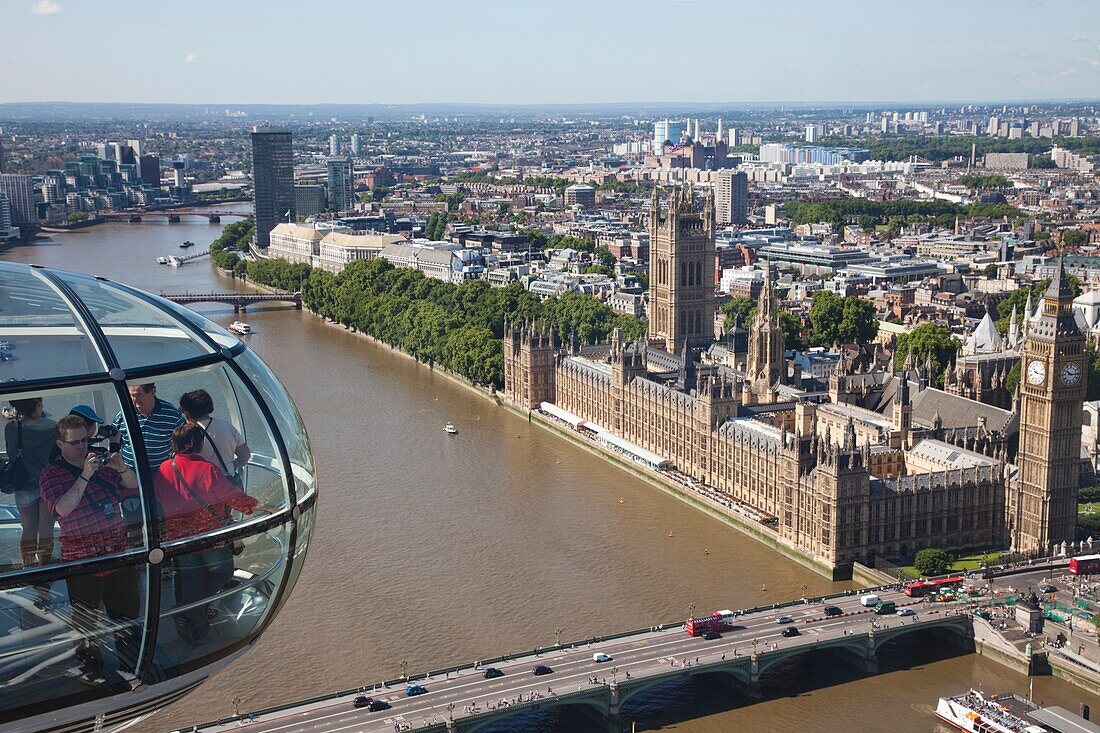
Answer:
(191, 58)
(45, 7)
(1078, 38)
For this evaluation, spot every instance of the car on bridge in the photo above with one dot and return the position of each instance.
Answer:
(791, 631)
(492, 673)
(1048, 588)
(362, 701)
(601, 657)
(906, 612)
(376, 705)
(784, 620)
(541, 669)
(712, 635)
(413, 690)
(869, 601)
(833, 611)
(885, 608)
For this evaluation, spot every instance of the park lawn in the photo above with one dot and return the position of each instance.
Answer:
(966, 563)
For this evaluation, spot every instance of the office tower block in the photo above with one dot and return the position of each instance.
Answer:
(341, 184)
(731, 197)
(20, 192)
(272, 180)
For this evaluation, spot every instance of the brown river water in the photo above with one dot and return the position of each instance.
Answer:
(440, 549)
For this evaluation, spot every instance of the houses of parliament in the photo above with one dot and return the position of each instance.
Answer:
(874, 462)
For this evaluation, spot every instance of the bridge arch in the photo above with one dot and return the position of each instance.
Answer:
(854, 646)
(491, 717)
(737, 669)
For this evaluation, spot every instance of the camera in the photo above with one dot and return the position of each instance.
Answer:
(103, 458)
(105, 432)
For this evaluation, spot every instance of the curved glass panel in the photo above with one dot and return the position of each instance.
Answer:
(39, 523)
(82, 637)
(301, 545)
(39, 335)
(219, 595)
(79, 638)
(220, 336)
(138, 334)
(290, 423)
(235, 474)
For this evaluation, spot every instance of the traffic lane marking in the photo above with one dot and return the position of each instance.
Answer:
(748, 624)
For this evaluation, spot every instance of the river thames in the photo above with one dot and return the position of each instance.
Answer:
(438, 549)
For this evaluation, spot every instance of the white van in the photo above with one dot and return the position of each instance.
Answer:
(870, 600)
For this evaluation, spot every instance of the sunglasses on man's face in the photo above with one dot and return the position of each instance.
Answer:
(78, 441)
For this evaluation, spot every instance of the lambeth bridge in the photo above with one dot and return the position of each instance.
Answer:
(464, 699)
(173, 215)
(239, 301)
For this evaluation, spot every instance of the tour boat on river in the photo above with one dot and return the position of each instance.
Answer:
(240, 327)
(975, 712)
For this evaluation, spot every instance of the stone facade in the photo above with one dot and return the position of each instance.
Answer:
(876, 471)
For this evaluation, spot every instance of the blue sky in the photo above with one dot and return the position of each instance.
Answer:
(558, 51)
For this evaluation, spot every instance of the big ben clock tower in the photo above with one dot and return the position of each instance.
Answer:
(1043, 504)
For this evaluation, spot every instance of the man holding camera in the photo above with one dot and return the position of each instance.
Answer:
(86, 493)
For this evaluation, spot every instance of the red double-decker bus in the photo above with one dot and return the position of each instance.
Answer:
(1085, 565)
(920, 588)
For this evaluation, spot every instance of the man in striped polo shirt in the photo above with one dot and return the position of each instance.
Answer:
(156, 419)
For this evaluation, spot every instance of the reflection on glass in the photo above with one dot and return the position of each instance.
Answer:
(42, 336)
(216, 598)
(286, 417)
(138, 333)
(77, 636)
(70, 640)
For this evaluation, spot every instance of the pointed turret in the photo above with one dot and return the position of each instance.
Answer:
(1013, 331)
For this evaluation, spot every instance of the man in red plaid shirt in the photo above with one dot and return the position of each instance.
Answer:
(87, 497)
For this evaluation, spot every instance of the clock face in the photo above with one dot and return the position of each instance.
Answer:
(1036, 372)
(1071, 373)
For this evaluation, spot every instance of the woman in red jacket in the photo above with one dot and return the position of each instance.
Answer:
(195, 498)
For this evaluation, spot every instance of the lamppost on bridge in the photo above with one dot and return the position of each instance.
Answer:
(755, 642)
(451, 711)
(614, 675)
(237, 706)
(404, 669)
(557, 636)
(804, 586)
(691, 610)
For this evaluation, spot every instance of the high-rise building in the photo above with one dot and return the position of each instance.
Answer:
(731, 197)
(355, 145)
(811, 133)
(136, 145)
(994, 126)
(309, 199)
(5, 214)
(150, 170)
(1043, 504)
(681, 267)
(20, 192)
(341, 184)
(272, 180)
(668, 130)
(333, 145)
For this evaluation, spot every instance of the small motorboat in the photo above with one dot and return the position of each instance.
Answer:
(186, 244)
(241, 328)
(162, 260)
(450, 429)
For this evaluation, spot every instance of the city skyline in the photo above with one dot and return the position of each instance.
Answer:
(568, 53)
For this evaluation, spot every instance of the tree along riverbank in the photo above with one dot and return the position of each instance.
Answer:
(460, 326)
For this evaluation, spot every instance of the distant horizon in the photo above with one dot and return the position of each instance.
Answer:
(499, 53)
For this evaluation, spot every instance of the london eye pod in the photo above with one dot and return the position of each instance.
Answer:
(97, 602)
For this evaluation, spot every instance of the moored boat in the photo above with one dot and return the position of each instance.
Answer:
(976, 712)
(450, 429)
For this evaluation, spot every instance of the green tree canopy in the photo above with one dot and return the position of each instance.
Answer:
(837, 319)
(932, 562)
(927, 340)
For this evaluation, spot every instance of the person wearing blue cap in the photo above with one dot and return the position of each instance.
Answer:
(96, 429)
